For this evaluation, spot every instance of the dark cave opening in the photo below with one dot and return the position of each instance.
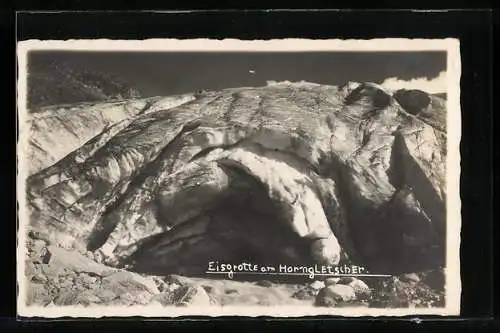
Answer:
(244, 227)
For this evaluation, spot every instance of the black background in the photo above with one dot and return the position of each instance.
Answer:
(474, 28)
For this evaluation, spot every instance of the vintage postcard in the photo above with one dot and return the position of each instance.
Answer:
(281, 178)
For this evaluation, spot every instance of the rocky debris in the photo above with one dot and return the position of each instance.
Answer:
(395, 292)
(133, 298)
(34, 235)
(184, 296)
(37, 248)
(331, 281)
(309, 291)
(98, 257)
(172, 287)
(130, 281)
(75, 261)
(70, 278)
(160, 283)
(305, 293)
(264, 283)
(29, 269)
(54, 285)
(178, 280)
(195, 296)
(317, 285)
(39, 245)
(429, 108)
(37, 295)
(208, 289)
(39, 278)
(334, 294)
(70, 297)
(345, 280)
(361, 289)
(368, 93)
(224, 292)
(339, 291)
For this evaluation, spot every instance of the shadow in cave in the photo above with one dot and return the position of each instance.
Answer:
(245, 227)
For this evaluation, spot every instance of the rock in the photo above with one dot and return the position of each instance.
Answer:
(164, 298)
(324, 301)
(136, 298)
(45, 257)
(191, 296)
(354, 304)
(361, 289)
(413, 101)
(160, 284)
(52, 270)
(88, 298)
(331, 281)
(29, 269)
(345, 280)
(72, 274)
(66, 298)
(38, 235)
(177, 279)
(304, 294)
(75, 261)
(66, 284)
(317, 285)
(62, 279)
(39, 246)
(106, 295)
(39, 278)
(184, 296)
(208, 289)
(158, 280)
(37, 294)
(88, 280)
(410, 277)
(153, 190)
(85, 298)
(173, 286)
(124, 280)
(155, 304)
(98, 257)
(264, 283)
(331, 295)
(368, 94)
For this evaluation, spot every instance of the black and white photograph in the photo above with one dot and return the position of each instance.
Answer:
(199, 177)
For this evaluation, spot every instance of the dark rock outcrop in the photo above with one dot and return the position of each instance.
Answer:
(332, 295)
(430, 108)
(54, 82)
(413, 101)
(290, 172)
